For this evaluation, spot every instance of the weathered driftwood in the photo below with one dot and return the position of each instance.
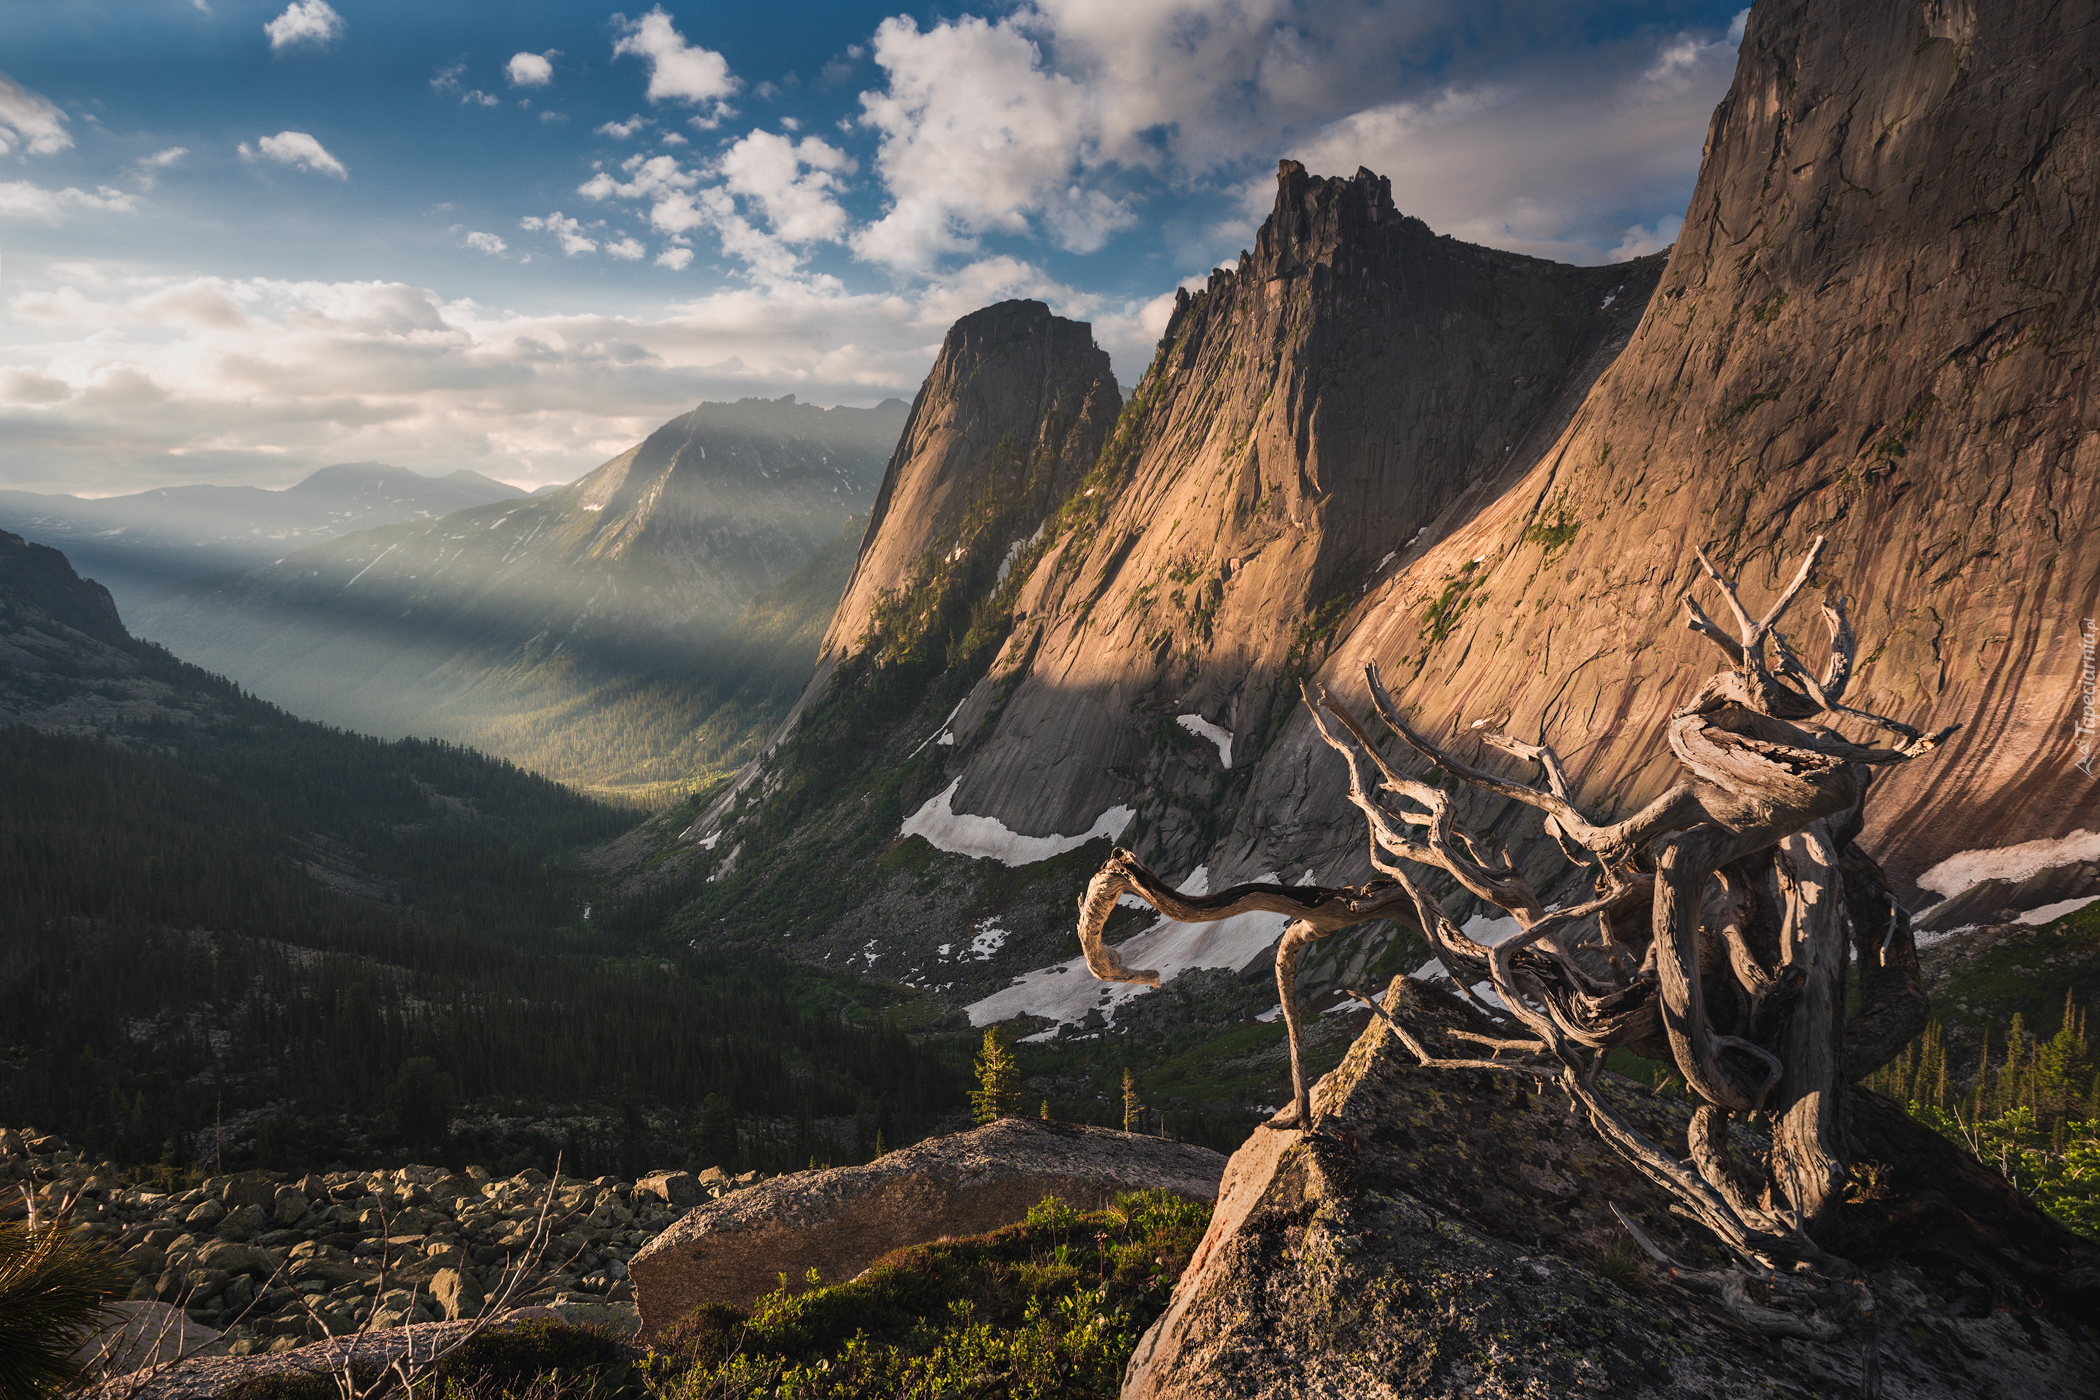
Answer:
(1717, 937)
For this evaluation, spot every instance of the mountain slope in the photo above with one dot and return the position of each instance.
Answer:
(1109, 668)
(138, 544)
(463, 625)
(1877, 326)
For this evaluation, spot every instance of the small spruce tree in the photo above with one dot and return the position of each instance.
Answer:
(998, 1092)
(1133, 1106)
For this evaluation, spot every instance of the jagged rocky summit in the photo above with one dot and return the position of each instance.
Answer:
(1447, 1232)
(1488, 474)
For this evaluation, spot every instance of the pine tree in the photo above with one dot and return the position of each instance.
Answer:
(998, 1092)
(1133, 1106)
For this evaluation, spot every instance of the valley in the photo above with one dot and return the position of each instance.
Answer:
(709, 811)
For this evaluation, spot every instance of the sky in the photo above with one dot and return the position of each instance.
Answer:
(240, 241)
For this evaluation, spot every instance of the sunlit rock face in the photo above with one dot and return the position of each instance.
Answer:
(1878, 324)
(1308, 413)
(646, 557)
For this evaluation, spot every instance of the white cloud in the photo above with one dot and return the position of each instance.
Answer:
(795, 183)
(304, 22)
(475, 97)
(485, 242)
(678, 71)
(161, 160)
(677, 259)
(621, 131)
(530, 69)
(296, 148)
(20, 199)
(446, 79)
(1545, 161)
(977, 136)
(119, 381)
(627, 249)
(1640, 242)
(29, 121)
(568, 231)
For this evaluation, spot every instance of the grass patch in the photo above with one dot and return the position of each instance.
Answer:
(1053, 1306)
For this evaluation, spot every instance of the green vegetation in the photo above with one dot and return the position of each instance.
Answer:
(2031, 1108)
(650, 738)
(52, 1291)
(1050, 1307)
(167, 962)
(1554, 529)
(998, 1092)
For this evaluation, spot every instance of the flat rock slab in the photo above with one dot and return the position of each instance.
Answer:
(1446, 1233)
(843, 1219)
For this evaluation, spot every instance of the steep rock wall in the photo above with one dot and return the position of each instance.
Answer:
(1309, 411)
(1878, 325)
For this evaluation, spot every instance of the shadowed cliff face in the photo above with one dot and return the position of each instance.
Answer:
(1878, 324)
(1308, 413)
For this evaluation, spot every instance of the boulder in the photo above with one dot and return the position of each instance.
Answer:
(841, 1220)
(244, 1223)
(249, 1189)
(290, 1206)
(457, 1293)
(1446, 1232)
(675, 1189)
(205, 1216)
(141, 1334)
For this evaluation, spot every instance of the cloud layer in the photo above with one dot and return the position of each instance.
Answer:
(308, 22)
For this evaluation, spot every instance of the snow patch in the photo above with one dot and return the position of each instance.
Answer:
(1204, 729)
(941, 735)
(2048, 913)
(707, 843)
(990, 938)
(961, 834)
(2010, 863)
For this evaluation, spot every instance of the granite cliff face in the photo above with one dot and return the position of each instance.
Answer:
(1309, 412)
(1878, 325)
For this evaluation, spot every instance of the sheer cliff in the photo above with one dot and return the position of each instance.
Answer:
(1878, 325)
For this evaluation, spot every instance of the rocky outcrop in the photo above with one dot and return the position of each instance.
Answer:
(1879, 324)
(1449, 1232)
(1995, 901)
(40, 586)
(839, 1221)
(1012, 415)
(416, 628)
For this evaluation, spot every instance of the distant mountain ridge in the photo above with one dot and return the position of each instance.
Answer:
(466, 625)
(137, 544)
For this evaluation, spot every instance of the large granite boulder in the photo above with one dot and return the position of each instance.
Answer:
(1449, 1232)
(841, 1220)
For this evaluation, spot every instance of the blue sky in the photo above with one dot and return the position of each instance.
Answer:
(239, 241)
